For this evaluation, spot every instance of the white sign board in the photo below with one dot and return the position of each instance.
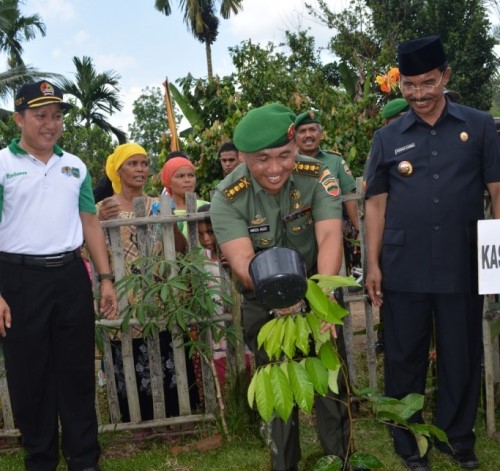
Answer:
(488, 256)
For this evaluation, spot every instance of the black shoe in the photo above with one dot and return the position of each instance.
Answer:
(466, 459)
(415, 463)
(379, 347)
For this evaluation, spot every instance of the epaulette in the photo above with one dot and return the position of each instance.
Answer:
(333, 152)
(237, 188)
(307, 168)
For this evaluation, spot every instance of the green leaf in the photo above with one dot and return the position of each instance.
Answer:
(404, 408)
(422, 443)
(333, 380)
(318, 375)
(317, 299)
(314, 324)
(328, 463)
(302, 332)
(273, 343)
(386, 416)
(189, 112)
(364, 460)
(251, 391)
(282, 393)
(335, 313)
(303, 390)
(329, 356)
(264, 394)
(330, 283)
(290, 336)
(264, 331)
(429, 430)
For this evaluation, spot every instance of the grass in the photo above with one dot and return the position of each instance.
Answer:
(247, 451)
(167, 450)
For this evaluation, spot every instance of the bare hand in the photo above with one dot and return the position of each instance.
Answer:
(108, 303)
(331, 327)
(374, 285)
(110, 208)
(5, 317)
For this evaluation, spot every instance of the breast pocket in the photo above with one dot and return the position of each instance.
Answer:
(394, 237)
(261, 237)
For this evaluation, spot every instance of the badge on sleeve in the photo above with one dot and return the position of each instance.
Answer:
(330, 183)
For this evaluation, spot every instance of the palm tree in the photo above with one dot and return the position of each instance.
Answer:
(16, 28)
(97, 95)
(200, 18)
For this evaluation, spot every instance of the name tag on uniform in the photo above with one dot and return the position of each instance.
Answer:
(406, 148)
(258, 229)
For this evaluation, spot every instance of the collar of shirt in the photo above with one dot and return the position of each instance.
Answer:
(410, 118)
(15, 149)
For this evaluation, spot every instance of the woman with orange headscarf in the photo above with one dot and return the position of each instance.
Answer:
(178, 177)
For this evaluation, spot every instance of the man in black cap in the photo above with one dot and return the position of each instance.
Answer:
(426, 177)
(47, 319)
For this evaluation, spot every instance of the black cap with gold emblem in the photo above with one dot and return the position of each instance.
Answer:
(34, 95)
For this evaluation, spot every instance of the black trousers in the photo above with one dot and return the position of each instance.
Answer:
(332, 419)
(409, 320)
(49, 357)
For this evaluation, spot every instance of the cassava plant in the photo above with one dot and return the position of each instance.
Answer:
(181, 296)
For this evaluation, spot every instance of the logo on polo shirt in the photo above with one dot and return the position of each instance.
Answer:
(71, 172)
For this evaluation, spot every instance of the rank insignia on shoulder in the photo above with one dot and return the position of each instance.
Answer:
(236, 188)
(334, 153)
(307, 168)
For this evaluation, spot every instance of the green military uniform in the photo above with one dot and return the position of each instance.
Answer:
(333, 160)
(242, 208)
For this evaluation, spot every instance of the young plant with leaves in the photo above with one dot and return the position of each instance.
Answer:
(181, 296)
(292, 377)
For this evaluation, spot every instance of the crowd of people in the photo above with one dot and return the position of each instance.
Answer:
(425, 179)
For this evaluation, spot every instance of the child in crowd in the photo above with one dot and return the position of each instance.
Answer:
(207, 241)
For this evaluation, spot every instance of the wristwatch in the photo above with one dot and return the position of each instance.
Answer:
(106, 276)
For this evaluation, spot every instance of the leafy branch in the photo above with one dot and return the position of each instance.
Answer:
(292, 378)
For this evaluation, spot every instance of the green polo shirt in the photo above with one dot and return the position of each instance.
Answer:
(242, 208)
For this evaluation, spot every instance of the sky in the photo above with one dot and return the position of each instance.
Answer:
(144, 46)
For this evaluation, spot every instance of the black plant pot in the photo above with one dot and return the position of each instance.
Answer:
(279, 276)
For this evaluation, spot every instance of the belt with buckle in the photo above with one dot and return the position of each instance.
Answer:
(41, 261)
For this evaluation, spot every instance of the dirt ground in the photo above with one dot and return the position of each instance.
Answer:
(358, 318)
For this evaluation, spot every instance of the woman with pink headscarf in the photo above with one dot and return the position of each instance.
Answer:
(178, 177)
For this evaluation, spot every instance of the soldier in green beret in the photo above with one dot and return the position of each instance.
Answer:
(280, 199)
(393, 109)
(309, 134)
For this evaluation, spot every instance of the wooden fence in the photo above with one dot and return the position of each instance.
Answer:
(109, 414)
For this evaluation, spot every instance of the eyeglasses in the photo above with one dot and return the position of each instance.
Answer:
(426, 87)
